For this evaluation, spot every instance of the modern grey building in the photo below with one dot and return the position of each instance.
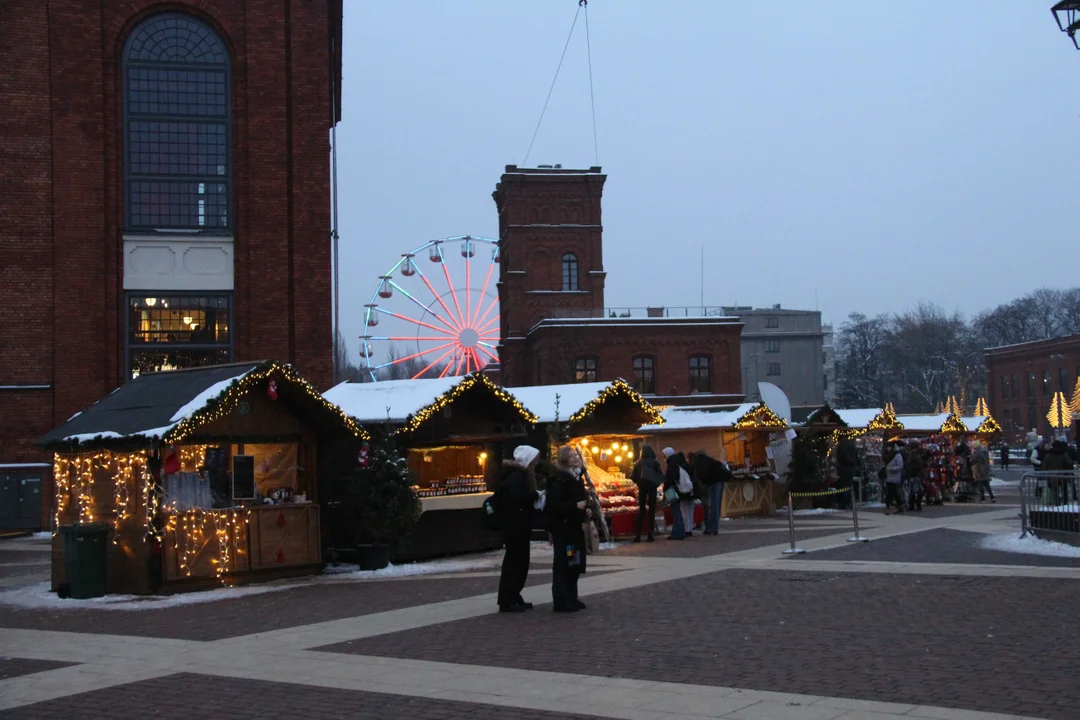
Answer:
(786, 348)
(829, 376)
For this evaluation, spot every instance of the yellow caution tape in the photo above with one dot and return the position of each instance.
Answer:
(834, 491)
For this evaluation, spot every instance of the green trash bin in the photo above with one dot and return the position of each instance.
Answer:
(84, 559)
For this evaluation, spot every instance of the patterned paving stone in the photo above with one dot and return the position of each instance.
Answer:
(977, 643)
(726, 542)
(13, 667)
(937, 546)
(186, 695)
(258, 613)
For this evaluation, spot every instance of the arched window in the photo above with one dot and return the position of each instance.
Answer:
(570, 272)
(177, 169)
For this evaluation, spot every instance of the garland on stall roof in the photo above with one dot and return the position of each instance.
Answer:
(760, 416)
(953, 424)
(885, 420)
(223, 404)
(989, 426)
(615, 389)
(412, 422)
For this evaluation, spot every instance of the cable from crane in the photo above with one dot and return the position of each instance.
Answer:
(592, 96)
(581, 4)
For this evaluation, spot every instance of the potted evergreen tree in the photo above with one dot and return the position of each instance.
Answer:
(805, 472)
(379, 505)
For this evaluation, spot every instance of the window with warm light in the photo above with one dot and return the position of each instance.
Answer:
(585, 370)
(177, 331)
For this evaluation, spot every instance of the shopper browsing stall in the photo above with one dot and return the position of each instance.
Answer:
(647, 476)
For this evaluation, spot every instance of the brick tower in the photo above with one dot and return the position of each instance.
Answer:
(551, 254)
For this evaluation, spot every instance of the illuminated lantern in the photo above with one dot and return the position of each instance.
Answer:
(372, 315)
(385, 289)
(618, 458)
(624, 447)
(614, 446)
(629, 454)
(595, 450)
(408, 269)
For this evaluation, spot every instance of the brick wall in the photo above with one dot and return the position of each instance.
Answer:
(1009, 401)
(552, 351)
(61, 270)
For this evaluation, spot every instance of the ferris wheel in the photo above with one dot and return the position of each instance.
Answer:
(435, 323)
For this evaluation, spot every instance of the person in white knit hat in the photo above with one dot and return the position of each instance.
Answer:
(516, 495)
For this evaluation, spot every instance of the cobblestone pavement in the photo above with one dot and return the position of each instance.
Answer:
(939, 545)
(710, 627)
(208, 697)
(808, 633)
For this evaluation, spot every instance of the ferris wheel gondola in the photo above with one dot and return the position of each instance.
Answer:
(447, 327)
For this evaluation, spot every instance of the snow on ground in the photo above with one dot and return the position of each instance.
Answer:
(808, 512)
(38, 596)
(998, 482)
(1030, 545)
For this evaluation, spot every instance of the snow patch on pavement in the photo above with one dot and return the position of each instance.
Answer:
(808, 512)
(1029, 545)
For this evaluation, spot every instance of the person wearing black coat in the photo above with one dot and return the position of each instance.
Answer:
(567, 515)
(647, 475)
(713, 474)
(516, 497)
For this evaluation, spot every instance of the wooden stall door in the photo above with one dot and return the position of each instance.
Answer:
(284, 535)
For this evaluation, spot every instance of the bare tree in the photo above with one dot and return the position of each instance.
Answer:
(860, 366)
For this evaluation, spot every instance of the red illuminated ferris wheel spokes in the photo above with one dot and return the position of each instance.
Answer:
(454, 327)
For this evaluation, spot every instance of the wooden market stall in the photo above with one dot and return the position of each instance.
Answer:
(602, 420)
(203, 476)
(454, 433)
(744, 436)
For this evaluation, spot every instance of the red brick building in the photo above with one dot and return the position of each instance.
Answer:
(1022, 380)
(166, 198)
(554, 326)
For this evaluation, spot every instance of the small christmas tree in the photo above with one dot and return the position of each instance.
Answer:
(806, 473)
(380, 505)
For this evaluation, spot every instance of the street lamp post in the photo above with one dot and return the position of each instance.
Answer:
(1067, 15)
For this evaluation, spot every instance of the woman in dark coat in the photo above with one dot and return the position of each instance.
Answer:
(567, 514)
(647, 475)
(516, 496)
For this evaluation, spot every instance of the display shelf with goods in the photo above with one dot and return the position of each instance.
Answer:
(454, 433)
(204, 476)
(750, 437)
(608, 461)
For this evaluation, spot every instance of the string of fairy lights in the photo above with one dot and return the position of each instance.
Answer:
(614, 390)
(760, 417)
(228, 528)
(446, 399)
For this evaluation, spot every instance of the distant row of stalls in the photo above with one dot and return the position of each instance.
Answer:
(872, 429)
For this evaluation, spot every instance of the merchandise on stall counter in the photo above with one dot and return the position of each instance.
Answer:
(461, 485)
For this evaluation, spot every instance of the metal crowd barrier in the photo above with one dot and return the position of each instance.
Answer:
(835, 491)
(1049, 503)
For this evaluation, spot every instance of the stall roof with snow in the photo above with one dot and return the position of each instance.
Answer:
(826, 416)
(748, 416)
(939, 423)
(590, 408)
(469, 407)
(166, 408)
(981, 424)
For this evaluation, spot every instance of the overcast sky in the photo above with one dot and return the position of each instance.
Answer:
(856, 156)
